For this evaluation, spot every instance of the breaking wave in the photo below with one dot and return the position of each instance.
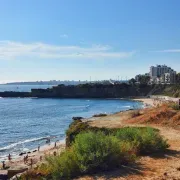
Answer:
(11, 146)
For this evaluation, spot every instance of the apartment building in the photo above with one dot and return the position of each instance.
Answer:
(162, 74)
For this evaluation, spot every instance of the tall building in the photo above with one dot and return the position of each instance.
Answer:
(162, 74)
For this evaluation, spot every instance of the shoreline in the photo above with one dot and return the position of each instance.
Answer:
(17, 161)
(17, 155)
(148, 102)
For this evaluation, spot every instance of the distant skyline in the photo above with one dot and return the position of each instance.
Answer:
(73, 40)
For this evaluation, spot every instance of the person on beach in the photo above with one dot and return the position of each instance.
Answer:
(55, 144)
(48, 140)
(3, 165)
(9, 157)
(25, 159)
(38, 147)
(31, 162)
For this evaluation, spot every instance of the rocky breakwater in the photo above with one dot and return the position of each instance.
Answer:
(15, 94)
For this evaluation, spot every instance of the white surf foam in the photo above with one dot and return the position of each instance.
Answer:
(22, 142)
(127, 106)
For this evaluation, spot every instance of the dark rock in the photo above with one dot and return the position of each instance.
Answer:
(77, 118)
(100, 115)
(22, 153)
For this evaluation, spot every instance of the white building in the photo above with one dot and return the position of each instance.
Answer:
(162, 74)
(170, 78)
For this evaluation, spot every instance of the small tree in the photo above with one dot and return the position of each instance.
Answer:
(143, 79)
(132, 81)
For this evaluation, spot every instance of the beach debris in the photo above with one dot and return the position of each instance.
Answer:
(54, 153)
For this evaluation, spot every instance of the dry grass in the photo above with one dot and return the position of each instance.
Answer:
(164, 115)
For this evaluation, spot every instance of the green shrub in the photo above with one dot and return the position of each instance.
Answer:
(63, 165)
(101, 149)
(91, 152)
(96, 151)
(77, 127)
(144, 140)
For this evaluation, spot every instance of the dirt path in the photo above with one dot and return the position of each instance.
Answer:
(159, 166)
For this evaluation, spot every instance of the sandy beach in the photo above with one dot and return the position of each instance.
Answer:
(146, 101)
(34, 157)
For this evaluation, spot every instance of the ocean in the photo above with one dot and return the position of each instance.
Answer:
(25, 123)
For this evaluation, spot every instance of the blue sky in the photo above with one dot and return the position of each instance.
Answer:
(76, 39)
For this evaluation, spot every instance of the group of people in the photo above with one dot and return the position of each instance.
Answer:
(3, 162)
(26, 158)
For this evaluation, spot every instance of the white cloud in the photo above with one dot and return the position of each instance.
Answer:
(15, 50)
(169, 51)
(64, 36)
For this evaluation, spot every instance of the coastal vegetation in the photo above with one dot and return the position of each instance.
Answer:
(90, 150)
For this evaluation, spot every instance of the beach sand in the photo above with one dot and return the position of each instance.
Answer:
(146, 101)
(36, 156)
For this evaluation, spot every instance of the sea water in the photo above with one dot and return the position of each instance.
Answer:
(26, 123)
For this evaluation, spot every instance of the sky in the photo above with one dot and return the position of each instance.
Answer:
(79, 39)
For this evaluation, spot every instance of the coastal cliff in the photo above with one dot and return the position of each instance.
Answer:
(93, 91)
(98, 91)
